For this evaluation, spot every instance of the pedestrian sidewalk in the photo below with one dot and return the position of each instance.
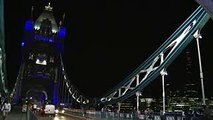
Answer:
(16, 114)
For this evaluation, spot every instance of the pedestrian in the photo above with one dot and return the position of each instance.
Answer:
(6, 108)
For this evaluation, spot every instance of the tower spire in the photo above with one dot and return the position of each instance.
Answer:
(32, 9)
(48, 7)
(62, 21)
(63, 17)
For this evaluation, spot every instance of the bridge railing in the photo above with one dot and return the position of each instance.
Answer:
(132, 115)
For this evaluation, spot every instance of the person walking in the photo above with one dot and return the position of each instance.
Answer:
(6, 108)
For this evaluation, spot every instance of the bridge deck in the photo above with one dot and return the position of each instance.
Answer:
(16, 114)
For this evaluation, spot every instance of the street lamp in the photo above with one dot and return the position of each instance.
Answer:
(197, 35)
(138, 94)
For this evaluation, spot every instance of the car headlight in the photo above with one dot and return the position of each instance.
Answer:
(56, 111)
(63, 111)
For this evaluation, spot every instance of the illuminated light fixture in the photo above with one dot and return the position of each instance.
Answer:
(102, 99)
(78, 100)
(37, 27)
(67, 84)
(50, 40)
(22, 44)
(54, 31)
(62, 31)
(65, 77)
(28, 25)
(62, 104)
(56, 111)
(70, 91)
(44, 62)
(73, 96)
(63, 111)
(86, 101)
(109, 99)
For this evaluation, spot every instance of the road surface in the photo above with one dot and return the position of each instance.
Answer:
(16, 114)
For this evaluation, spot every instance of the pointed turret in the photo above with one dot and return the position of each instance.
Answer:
(46, 15)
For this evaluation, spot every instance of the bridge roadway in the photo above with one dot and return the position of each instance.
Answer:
(16, 114)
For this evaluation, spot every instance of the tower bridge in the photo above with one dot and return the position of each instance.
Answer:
(42, 46)
(42, 74)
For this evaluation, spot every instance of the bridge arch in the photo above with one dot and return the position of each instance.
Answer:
(35, 92)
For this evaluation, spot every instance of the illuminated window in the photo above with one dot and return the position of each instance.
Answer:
(41, 62)
(41, 59)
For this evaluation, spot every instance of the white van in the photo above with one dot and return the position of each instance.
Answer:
(49, 109)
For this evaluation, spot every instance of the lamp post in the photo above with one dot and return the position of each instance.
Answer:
(138, 94)
(198, 36)
(163, 73)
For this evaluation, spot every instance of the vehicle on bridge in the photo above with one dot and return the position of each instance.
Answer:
(49, 109)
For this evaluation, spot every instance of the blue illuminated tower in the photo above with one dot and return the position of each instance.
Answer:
(42, 48)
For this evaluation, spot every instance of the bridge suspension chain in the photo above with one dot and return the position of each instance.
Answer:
(80, 98)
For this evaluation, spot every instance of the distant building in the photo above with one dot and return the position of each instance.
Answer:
(191, 85)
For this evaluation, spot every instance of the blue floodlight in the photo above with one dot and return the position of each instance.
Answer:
(28, 25)
(55, 94)
(62, 31)
(22, 44)
(50, 39)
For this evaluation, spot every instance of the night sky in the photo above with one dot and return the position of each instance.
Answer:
(107, 39)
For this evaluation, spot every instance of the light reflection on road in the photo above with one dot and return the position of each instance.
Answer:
(61, 117)
(58, 117)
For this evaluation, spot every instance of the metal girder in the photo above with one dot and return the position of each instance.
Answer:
(3, 80)
(158, 61)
